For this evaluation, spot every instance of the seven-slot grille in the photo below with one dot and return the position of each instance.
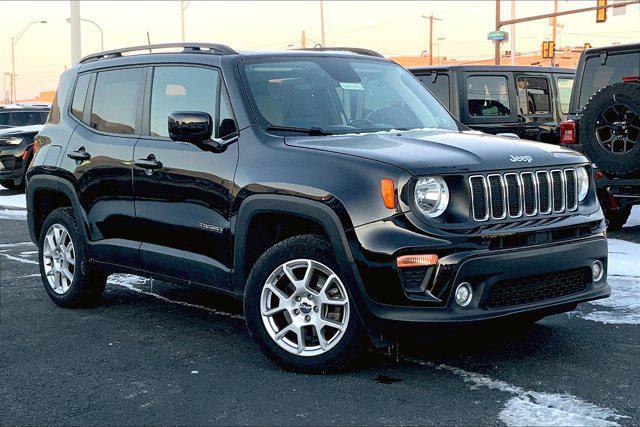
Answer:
(514, 195)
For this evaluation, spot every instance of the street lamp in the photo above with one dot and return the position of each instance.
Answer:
(14, 40)
(97, 26)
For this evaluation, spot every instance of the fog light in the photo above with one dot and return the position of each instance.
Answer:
(464, 293)
(597, 270)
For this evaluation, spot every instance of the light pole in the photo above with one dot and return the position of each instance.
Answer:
(5, 98)
(14, 40)
(438, 47)
(97, 26)
(183, 7)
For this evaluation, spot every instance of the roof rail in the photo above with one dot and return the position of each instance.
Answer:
(214, 48)
(358, 50)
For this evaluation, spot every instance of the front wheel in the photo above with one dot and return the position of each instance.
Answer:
(298, 309)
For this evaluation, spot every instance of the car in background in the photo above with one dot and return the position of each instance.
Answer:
(23, 114)
(526, 101)
(16, 151)
(604, 124)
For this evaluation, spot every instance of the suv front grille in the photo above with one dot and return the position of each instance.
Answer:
(531, 289)
(498, 196)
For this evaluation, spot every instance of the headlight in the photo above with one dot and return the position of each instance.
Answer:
(13, 140)
(583, 183)
(431, 195)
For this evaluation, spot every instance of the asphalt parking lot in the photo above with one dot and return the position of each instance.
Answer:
(158, 353)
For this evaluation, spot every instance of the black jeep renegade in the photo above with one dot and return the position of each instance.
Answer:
(328, 189)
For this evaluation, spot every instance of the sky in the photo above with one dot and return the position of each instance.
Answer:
(394, 28)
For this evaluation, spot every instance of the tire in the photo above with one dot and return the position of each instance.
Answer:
(86, 283)
(297, 255)
(9, 184)
(600, 115)
(616, 219)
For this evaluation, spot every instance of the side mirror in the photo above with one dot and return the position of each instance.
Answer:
(190, 126)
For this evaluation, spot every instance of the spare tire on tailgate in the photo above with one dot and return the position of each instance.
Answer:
(610, 129)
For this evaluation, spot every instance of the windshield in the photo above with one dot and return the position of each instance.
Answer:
(341, 95)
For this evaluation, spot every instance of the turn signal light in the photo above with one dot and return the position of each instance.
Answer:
(568, 132)
(388, 193)
(423, 260)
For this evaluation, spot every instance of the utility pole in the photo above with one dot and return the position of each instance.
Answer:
(500, 23)
(496, 52)
(431, 18)
(322, 22)
(512, 36)
(303, 40)
(554, 23)
(76, 48)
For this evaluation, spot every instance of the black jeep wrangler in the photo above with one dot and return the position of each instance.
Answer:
(604, 124)
(327, 189)
(526, 101)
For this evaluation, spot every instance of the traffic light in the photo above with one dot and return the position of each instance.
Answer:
(601, 14)
(548, 48)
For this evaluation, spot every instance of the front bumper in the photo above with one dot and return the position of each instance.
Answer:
(487, 271)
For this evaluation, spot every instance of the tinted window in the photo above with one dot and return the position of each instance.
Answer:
(4, 119)
(488, 96)
(533, 95)
(227, 124)
(597, 76)
(79, 95)
(341, 95)
(181, 89)
(565, 85)
(115, 101)
(440, 88)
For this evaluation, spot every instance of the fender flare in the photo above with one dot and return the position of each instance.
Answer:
(60, 185)
(308, 209)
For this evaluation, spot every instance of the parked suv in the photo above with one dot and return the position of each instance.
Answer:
(23, 115)
(604, 124)
(327, 189)
(526, 101)
(16, 151)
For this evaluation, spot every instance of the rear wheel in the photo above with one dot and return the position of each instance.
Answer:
(616, 218)
(298, 309)
(68, 277)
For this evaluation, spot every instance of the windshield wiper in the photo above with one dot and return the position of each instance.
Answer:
(309, 131)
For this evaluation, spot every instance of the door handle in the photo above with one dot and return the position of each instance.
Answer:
(80, 154)
(149, 163)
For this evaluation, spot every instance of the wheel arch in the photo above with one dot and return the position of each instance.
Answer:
(44, 193)
(310, 211)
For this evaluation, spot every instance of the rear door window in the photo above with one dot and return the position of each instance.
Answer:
(438, 86)
(533, 95)
(565, 85)
(597, 75)
(488, 96)
(4, 119)
(115, 100)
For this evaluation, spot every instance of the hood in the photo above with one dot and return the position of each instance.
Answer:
(437, 151)
(20, 130)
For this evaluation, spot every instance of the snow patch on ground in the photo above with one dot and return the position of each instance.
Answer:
(13, 214)
(131, 282)
(634, 219)
(623, 306)
(14, 201)
(536, 408)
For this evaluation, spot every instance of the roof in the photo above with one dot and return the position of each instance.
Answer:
(496, 68)
(627, 46)
(220, 50)
(26, 106)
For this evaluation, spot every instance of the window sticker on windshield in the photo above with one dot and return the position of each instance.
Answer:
(351, 86)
